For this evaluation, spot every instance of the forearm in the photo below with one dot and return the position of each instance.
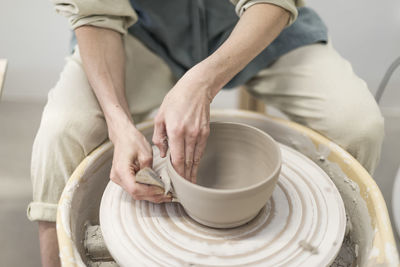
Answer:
(256, 29)
(103, 57)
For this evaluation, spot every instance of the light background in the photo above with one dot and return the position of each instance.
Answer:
(35, 41)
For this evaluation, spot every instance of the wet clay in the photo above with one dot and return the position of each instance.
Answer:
(236, 157)
(237, 175)
(94, 244)
(303, 224)
(346, 256)
(361, 233)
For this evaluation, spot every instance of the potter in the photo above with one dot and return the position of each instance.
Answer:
(119, 72)
(237, 176)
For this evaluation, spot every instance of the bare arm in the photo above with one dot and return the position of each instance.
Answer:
(103, 59)
(184, 114)
(256, 29)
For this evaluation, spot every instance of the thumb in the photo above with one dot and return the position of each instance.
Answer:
(160, 138)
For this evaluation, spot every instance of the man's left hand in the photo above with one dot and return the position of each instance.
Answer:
(182, 123)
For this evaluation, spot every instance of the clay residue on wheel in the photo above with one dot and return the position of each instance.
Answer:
(360, 231)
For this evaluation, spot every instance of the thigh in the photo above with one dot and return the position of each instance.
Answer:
(73, 123)
(73, 120)
(148, 78)
(315, 86)
(72, 112)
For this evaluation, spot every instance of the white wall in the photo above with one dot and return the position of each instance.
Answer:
(367, 33)
(35, 40)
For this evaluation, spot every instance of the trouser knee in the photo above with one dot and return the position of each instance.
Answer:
(365, 141)
(64, 138)
(361, 135)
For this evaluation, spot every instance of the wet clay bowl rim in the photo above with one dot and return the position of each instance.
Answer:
(228, 208)
(273, 174)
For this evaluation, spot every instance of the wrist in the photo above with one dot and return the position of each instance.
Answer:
(118, 122)
(211, 76)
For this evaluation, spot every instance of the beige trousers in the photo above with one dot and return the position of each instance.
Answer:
(312, 85)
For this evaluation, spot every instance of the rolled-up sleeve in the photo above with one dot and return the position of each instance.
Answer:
(116, 15)
(289, 5)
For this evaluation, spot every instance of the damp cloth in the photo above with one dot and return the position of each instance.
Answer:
(150, 177)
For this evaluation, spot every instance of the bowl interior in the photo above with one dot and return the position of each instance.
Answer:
(237, 156)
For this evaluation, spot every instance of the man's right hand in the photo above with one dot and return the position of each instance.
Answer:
(132, 152)
(103, 57)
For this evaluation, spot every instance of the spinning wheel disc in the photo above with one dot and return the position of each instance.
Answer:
(303, 224)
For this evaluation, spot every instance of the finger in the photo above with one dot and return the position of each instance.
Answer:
(122, 172)
(198, 152)
(177, 149)
(126, 172)
(114, 174)
(134, 167)
(190, 143)
(160, 137)
(128, 181)
(158, 199)
(145, 160)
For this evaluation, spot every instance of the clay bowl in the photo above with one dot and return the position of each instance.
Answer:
(237, 175)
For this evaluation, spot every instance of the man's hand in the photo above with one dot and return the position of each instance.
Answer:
(132, 152)
(182, 123)
(103, 58)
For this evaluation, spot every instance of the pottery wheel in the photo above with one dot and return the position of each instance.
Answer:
(302, 225)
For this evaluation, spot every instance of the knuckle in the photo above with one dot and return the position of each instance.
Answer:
(137, 197)
(114, 176)
(118, 172)
(179, 158)
(196, 161)
(156, 140)
(158, 120)
(193, 132)
(114, 179)
(133, 191)
(147, 159)
(205, 131)
(178, 130)
(189, 164)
